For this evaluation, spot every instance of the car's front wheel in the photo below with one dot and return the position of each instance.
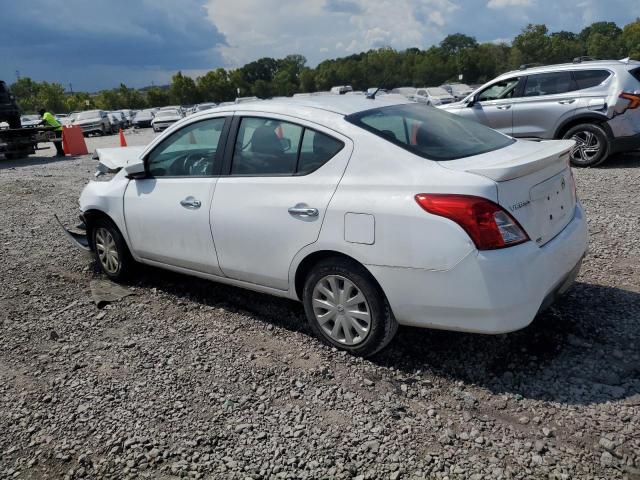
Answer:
(592, 145)
(110, 250)
(346, 308)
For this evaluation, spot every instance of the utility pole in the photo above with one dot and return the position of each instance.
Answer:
(18, 75)
(70, 88)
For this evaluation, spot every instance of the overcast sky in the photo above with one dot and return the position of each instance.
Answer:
(96, 45)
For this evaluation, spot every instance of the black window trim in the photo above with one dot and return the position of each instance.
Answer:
(231, 146)
(217, 161)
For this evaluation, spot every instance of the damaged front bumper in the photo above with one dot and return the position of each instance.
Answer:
(78, 239)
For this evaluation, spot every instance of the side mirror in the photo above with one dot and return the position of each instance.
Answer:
(471, 102)
(135, 169)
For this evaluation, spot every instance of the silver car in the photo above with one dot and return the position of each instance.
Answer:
(433, 96)
(594, 103)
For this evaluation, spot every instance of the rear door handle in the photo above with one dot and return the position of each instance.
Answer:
(504, 107)
(191, 203)
(566, 102)
(303, 210)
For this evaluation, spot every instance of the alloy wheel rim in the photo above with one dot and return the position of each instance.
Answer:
(587, 146)
(341, 310)
(107, 250)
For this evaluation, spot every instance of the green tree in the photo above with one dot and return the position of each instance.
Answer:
(26, 91)
(532, 45)
(158, 97)
(565, 46)
(51, 96)
(630, 40)
(308, 80)
(183, 89)
(602, 40)
(215, 86)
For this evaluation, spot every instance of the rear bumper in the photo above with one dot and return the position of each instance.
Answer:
(625, 144)
(490, 291)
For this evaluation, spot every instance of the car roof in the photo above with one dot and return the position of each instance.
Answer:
(340, 104)
(584, 65)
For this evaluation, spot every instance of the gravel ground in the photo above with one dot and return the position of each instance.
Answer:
(187, 378)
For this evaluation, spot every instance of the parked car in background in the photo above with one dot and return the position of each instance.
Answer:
(30, 120)
(457, 90)
(61, 117)
(594, 103)
(93, 121)
(341, 89)
(371, 212)
(165, 117)
(204, 106)
(68, 120)
(433, 96)
(143, 118)
(117, 121)
(128, 116)
(404, 91)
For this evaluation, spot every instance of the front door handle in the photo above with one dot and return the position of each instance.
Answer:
(191, 203)
(566, 102)
(504, 107)
(303, 210)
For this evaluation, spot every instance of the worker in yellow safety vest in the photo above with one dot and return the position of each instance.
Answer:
(50, 120)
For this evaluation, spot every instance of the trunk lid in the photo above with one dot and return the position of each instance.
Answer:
(534, 183)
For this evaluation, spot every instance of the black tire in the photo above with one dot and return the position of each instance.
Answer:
(125, 262)
(382, 326)
(588, 136)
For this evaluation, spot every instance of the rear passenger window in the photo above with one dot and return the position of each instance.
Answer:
(267, 146)
(316, 150)
(590, 78)
(548, 84)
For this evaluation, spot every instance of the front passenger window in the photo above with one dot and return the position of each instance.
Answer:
(191, 151)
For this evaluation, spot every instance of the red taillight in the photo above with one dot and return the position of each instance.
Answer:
(634, 100)
(487, 223)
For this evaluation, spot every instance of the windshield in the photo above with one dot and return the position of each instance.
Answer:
(29, 118)
(88, 115)
(167, 113)
(438, 92)
(430, 132)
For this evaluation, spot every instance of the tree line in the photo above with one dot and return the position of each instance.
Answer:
(457, 54)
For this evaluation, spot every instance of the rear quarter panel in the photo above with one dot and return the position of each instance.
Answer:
(381, 180)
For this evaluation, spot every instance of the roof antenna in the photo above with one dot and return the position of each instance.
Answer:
(372, 95)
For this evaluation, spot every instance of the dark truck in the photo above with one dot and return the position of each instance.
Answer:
(15, 141)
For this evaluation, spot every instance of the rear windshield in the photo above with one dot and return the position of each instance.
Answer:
(430, 132)
(636, 73)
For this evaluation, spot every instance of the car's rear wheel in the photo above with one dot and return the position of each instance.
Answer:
(592, 145)
(110, 250)
(346, 308)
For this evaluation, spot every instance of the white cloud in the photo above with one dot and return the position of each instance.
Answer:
(510, 3)
(257, 28)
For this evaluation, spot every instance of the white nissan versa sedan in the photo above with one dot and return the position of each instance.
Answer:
(372, 212)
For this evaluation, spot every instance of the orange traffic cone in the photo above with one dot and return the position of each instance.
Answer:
(123, 141)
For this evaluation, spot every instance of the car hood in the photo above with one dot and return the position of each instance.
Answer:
(172, 118)
(116, 158)
(452, 106)
(88, 121)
